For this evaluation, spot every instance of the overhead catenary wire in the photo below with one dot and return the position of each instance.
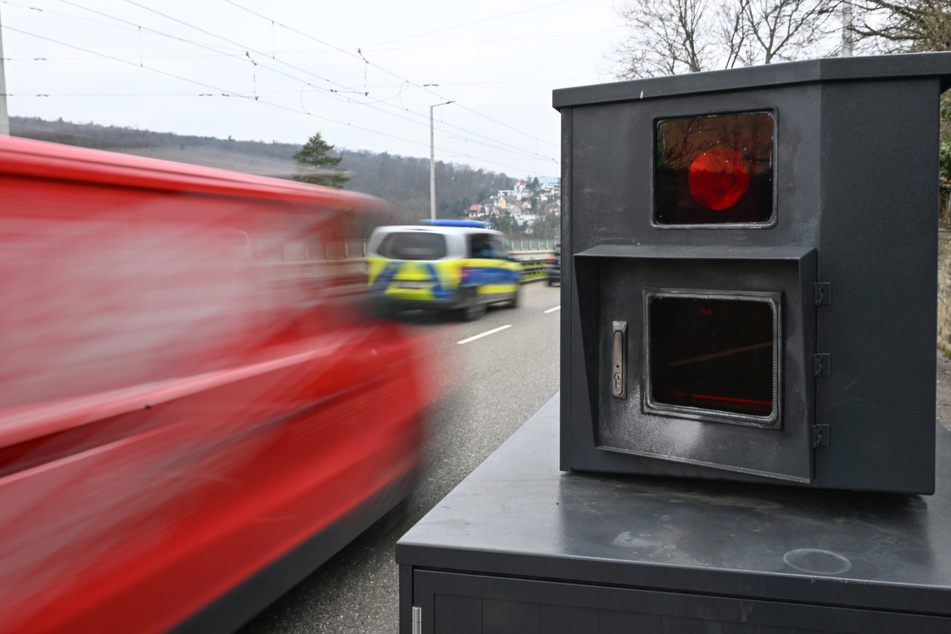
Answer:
(421, 86)
(359, 55)
(471, 138)
(474, 22)
(222, 91)
(227, 93)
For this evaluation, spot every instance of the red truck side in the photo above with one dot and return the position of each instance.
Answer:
(194, 409)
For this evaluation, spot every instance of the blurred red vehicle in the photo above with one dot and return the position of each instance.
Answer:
(194, 410)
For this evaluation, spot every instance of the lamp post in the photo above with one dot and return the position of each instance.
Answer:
(4, 119)
(432, 162)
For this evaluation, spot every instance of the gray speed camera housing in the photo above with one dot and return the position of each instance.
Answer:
(835, 260)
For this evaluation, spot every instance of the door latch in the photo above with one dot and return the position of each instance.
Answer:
(619, 360)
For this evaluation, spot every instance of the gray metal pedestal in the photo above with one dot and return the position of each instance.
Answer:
(521, 547)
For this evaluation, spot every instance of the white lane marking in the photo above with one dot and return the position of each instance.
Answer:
(551, 310)
(486, 334)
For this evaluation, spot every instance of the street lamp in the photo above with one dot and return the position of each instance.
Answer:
(4, 119)
(432, 162)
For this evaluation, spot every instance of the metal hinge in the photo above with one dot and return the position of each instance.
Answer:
(822, 293)
(821, 364)
(820, 436)
(417, 620)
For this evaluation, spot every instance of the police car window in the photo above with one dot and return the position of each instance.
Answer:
(480, 245)
(413, 245)
(501, 247)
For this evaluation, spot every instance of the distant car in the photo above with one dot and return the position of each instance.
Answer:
(554, 267)
(444, 264)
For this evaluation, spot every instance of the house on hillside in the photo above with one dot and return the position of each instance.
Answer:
(505, 203)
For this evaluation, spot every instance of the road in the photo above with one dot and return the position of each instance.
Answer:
(492, 384)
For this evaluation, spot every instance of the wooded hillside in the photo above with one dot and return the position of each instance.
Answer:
(401, 181)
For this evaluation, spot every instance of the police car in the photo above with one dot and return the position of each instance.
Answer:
(442, 264)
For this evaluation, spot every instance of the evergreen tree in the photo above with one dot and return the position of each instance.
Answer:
(317, 166)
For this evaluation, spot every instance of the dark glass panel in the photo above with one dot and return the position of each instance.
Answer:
(712, 354)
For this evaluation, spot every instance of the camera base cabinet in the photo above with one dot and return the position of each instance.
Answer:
(521, 547)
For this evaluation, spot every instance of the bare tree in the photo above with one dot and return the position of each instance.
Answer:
(884, 26)
(680, 36)
(667, 37)
(784, 30)
(733, 30)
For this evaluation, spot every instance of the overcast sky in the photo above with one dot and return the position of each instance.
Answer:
(363, 73)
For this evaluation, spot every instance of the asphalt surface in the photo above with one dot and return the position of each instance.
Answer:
(491, 385)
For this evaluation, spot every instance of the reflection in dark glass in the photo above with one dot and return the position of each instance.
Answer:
(712, 354)
(714, 170)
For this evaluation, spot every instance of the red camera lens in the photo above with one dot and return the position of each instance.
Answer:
(718, 178)
(714, 170)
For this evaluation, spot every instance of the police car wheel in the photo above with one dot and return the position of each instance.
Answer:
(473, 308)
(516, 298)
